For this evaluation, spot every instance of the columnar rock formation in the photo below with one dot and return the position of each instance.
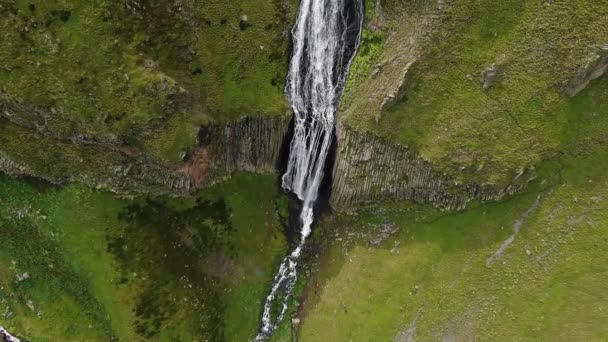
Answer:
(250, 144)
(368, 169)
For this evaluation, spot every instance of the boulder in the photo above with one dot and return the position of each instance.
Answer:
(594, 67)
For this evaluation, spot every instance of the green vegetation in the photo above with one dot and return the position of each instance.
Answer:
(83, 265)
(397, 270)
(113, 93)
(442, 276)
(370, 49)
(145, 73)
(441, 109)
(94, 164)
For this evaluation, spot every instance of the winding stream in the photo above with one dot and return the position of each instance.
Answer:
(325, 38)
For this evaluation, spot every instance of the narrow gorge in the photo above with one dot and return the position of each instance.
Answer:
(325, 39)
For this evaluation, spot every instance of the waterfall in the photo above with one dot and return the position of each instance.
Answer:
(6, 336)
(326, 36)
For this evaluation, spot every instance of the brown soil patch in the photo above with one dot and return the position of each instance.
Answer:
(198, 166)
(128, 150)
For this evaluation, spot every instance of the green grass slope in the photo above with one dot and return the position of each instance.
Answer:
(143, 72)
(531, 267)
(81, 265)
(441, 109)
(460, 276)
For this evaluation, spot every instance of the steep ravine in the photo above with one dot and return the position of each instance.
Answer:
(366, 168)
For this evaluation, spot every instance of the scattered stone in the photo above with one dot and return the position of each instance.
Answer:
(488, 76)
(244, 23)
(395, 248)
(377, 70)
(7, 313)
(528, 252)
(386, 231)
(416, 288)
(409, 334)
(30, 305)
(22, 277)
(516, 228)
(150, 64)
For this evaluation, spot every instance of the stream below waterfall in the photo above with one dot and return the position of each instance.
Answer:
(325, 38)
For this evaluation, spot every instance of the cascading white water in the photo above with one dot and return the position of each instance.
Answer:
(325, 38)
(6, 336)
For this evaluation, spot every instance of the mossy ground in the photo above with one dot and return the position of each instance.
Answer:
(433, 276)
(441, 275)
(443, 112)
(100, 268)
(146, 73)
(149, 74)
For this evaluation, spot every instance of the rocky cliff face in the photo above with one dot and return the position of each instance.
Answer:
(250, 144)
(368, 169)
(101, 166)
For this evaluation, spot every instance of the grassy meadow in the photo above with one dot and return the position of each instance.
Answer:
(81, 265)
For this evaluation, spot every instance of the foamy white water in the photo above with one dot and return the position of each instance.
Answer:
(6, 336)
(325, 38)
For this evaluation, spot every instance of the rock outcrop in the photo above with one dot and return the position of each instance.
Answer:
(250, 144)
(488, 76)
(595, 66)
(104, 168)
(368, 169)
